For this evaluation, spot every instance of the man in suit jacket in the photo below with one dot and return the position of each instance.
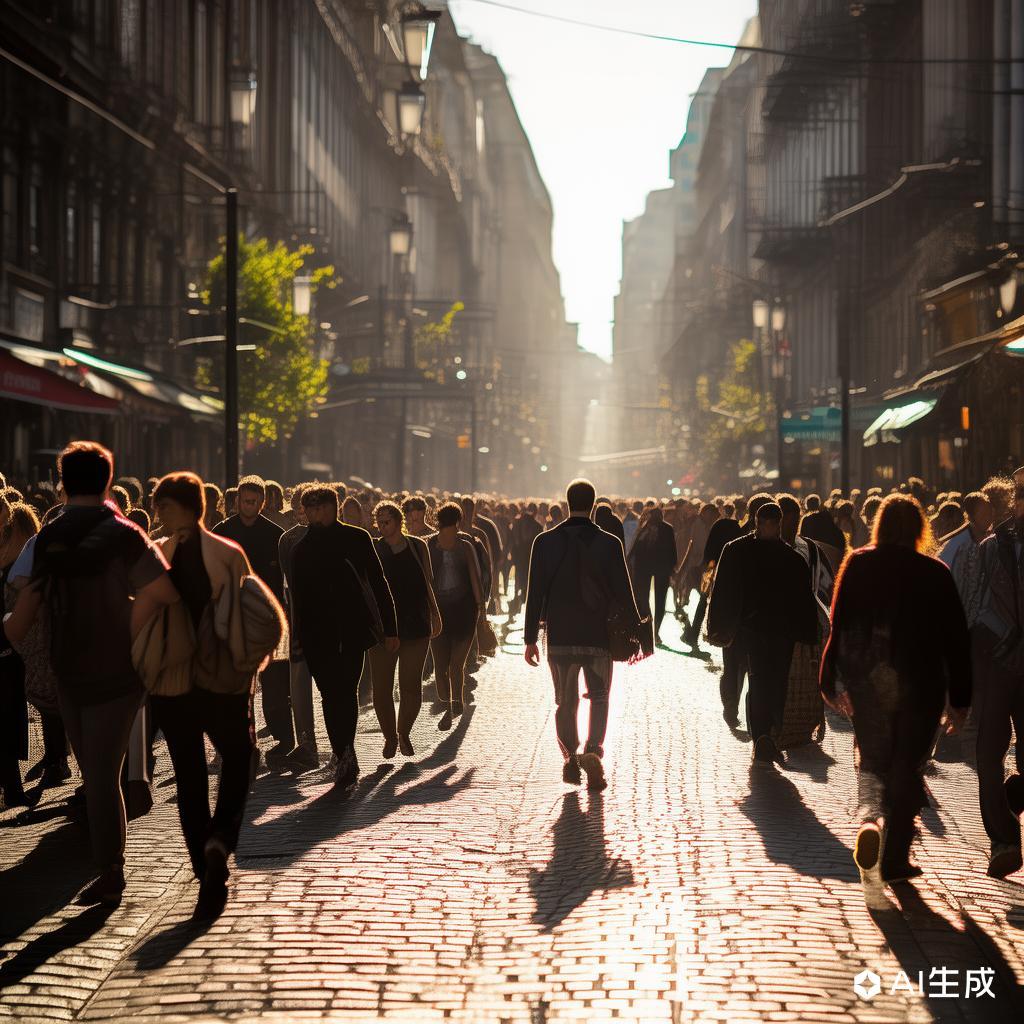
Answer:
(577, 573)
(341, 607)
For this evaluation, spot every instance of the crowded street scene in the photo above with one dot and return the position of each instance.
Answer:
(458, 564)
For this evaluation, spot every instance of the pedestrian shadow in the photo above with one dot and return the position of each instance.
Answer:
(433, 780)
(579, 864)
(44, 880)
(811, 760)
(791, 832)
(694, 652)
(43, 948)
(162, 947)
(921, 939)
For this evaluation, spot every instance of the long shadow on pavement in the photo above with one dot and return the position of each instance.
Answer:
(45, 880)
(45, 947)
(791, 831)
(288, 836)
(579, 864)
(921, 939)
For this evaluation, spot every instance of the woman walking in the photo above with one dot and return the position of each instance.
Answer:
(406, 564)
(204, 568)
(461, 601)
(899, 651)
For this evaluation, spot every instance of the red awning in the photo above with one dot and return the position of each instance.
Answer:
(26, 383)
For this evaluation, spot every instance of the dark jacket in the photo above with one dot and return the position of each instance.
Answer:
(329, 600)
(761, 586)
(654, 550)
(261, 544)
(894, 607)
(610, 523)
(571, 597)
(721, 533)
(1001, 610)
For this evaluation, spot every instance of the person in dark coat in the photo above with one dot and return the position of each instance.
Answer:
(341, 607)
(762, 595)
(734, 665)
(606, 518)
(653, 559)
(577, 575)
(899, 650)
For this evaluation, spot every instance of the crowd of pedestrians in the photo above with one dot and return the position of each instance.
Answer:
(161, 609)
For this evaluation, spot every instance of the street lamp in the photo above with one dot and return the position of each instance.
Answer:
(243, 98)
(778, 319)
(400, 235)
(1008, 293)
(410, 109)
(417, 37)
(760, 314)
(302, 294)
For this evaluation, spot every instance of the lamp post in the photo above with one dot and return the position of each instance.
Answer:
(778, 325)
(411, 101)
(231, 339)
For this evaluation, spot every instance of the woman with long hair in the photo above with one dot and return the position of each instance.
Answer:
(460, 598)
(898, 655)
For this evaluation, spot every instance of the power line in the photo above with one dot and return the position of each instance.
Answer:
(769, 51)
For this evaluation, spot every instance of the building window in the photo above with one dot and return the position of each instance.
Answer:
(201, 58)
(130, 35)
(11, 206)
(35, 214)
(95, 240)
(71, 236)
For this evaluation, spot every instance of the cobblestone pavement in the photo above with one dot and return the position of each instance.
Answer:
(469, 884)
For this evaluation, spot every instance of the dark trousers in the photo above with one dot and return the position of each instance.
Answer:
(894, 741)
(13, 723)
(642, 588)
(698, 617)
(734, 667)
(276, 687)
(227, 720)
(99, 736)
(998, 702)
(55, 739)
(565, 674)
(336, 674)
(768, 660)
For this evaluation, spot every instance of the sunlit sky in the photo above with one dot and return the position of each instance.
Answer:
(602, 111)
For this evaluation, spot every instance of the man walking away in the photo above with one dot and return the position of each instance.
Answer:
(998, 649)
(762, 594)
(99, 581)
(577, 577)
(343, 607)
(260, 539)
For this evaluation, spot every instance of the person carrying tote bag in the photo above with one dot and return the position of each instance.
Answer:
(212, 697)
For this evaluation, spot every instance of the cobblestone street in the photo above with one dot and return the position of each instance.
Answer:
(471, 884)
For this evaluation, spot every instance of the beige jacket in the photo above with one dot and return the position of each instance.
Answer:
(228, 651)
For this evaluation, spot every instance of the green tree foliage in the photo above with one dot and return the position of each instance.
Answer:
(734, 410)
(433, 343)
(280, 380)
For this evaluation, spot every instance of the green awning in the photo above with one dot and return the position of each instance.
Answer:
(888, 425)
(821, 423)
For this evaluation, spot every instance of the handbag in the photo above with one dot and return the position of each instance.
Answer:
(486, 638)
(630, 639)
(163, 653)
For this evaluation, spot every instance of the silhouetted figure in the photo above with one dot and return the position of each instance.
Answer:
(898, 651)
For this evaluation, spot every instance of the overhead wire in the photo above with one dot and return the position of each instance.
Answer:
(742, 48)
